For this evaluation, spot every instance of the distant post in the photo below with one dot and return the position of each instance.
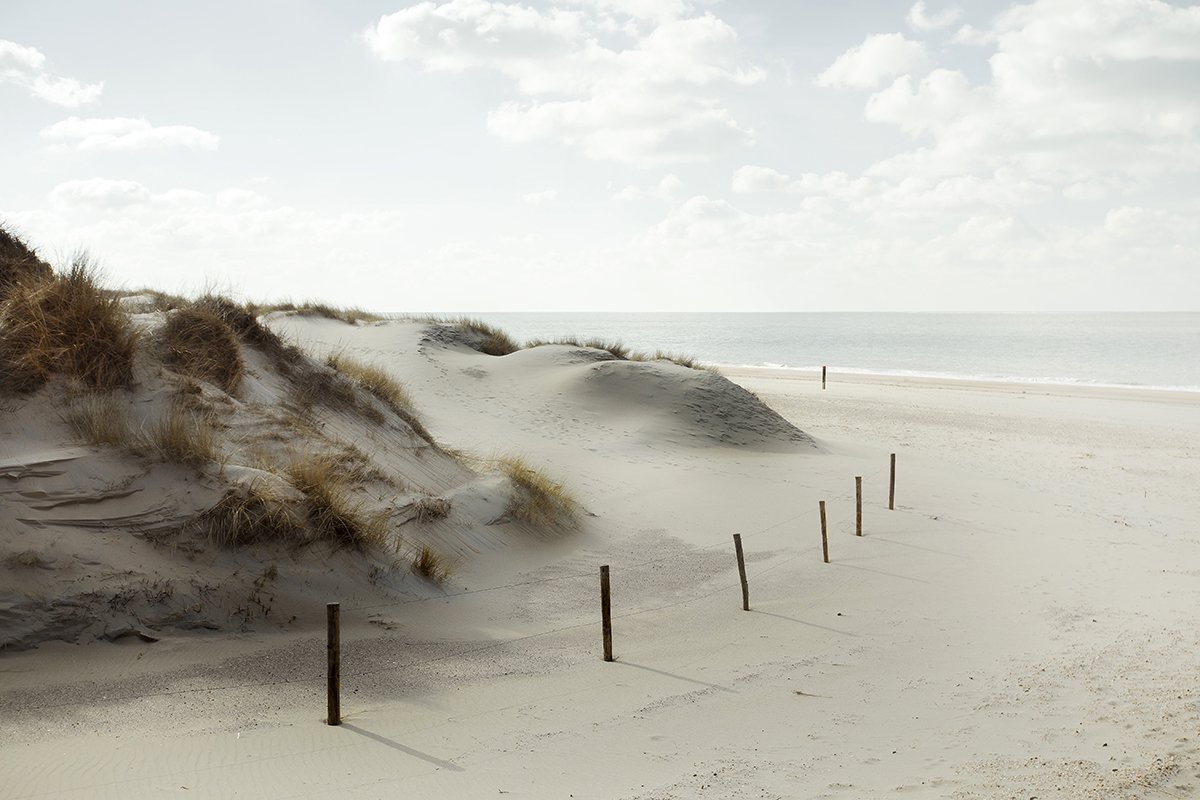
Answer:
(892, 486)
(606, 613)
(333, 619)
(823, 377)
(824, 535)
(858, 506)
(737, 545)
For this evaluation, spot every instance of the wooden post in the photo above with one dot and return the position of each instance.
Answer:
(333, 618)
(892, 486)
(823, 377)
(737, 545)
(858, 506)
(606, 612)
(824, 535)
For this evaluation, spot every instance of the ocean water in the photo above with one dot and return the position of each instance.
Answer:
(1144, 350)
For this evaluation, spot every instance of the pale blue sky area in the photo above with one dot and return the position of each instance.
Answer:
(615, 154)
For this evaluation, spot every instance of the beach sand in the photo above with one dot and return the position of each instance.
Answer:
(1021, 625)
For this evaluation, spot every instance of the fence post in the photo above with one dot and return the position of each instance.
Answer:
(824, 535)
(858, 506)
(333, 619)
(606, 612)
(892, 486)
(822, 377)
(737, 545)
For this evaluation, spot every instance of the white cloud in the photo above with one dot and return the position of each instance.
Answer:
(665, 189)
(880, 57)
(751, 178)
(100, 193)
(1080, 96)
(125, 133)
(538, 198)
(621, 81)
(26, 66)
(920, 19)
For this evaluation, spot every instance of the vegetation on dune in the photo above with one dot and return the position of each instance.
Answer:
(200, 344)
(428, 564)
(332, 511)
(351, 316)
(535, 497)
(383, 386)
(256, 512)
(18, 263)
(100, 420)
(621, 351)
(65, 324)
(429, 509)
(181, 437)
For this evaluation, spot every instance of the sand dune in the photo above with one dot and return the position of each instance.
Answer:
(1021, 625)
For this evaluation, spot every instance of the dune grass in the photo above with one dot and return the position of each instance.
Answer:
(351, 316)
(19, 264)
(200, 344)
(621, 351)
(429, 509)
(101, 421)
(256, 512)
(383, 386)
(65, 325)
(333, 513)
(535, 497)
(243, 320)
(428, 564)
(373, 379)
(487, 339)
(181, 437)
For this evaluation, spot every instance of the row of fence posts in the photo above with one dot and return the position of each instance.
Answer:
(333, 610)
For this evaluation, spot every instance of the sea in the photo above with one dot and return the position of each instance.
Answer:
(1146, 350)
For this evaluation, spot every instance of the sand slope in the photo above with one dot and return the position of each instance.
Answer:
(1022, 625)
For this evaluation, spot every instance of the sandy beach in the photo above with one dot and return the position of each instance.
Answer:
(1021, 625)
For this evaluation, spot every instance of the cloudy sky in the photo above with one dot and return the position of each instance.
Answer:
(572, 155)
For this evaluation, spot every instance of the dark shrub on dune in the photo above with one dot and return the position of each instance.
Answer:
(65, 324)
(18, 263)
(200, 344)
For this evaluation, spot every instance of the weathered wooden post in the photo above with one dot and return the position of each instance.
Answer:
(737, 545)
(824, 535)
(823, 377)
(858, 506)
(606, 612)
(892, 486)
(333, 619)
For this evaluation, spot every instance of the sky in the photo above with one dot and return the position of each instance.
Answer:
(614, 155)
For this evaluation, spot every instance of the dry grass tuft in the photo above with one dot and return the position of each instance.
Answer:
(100, 420)
(485, 338)
(182, 437)
(384, 387)
(19, 264)
(620, 351)
(332, 511)
(535, 497)
(250, 514)
(243, 320)
(429, 509)
(351, 316)
(616, 348)
(373, 379)
(428, 564)
(318, 385)
(66, 324)
(200, 344)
